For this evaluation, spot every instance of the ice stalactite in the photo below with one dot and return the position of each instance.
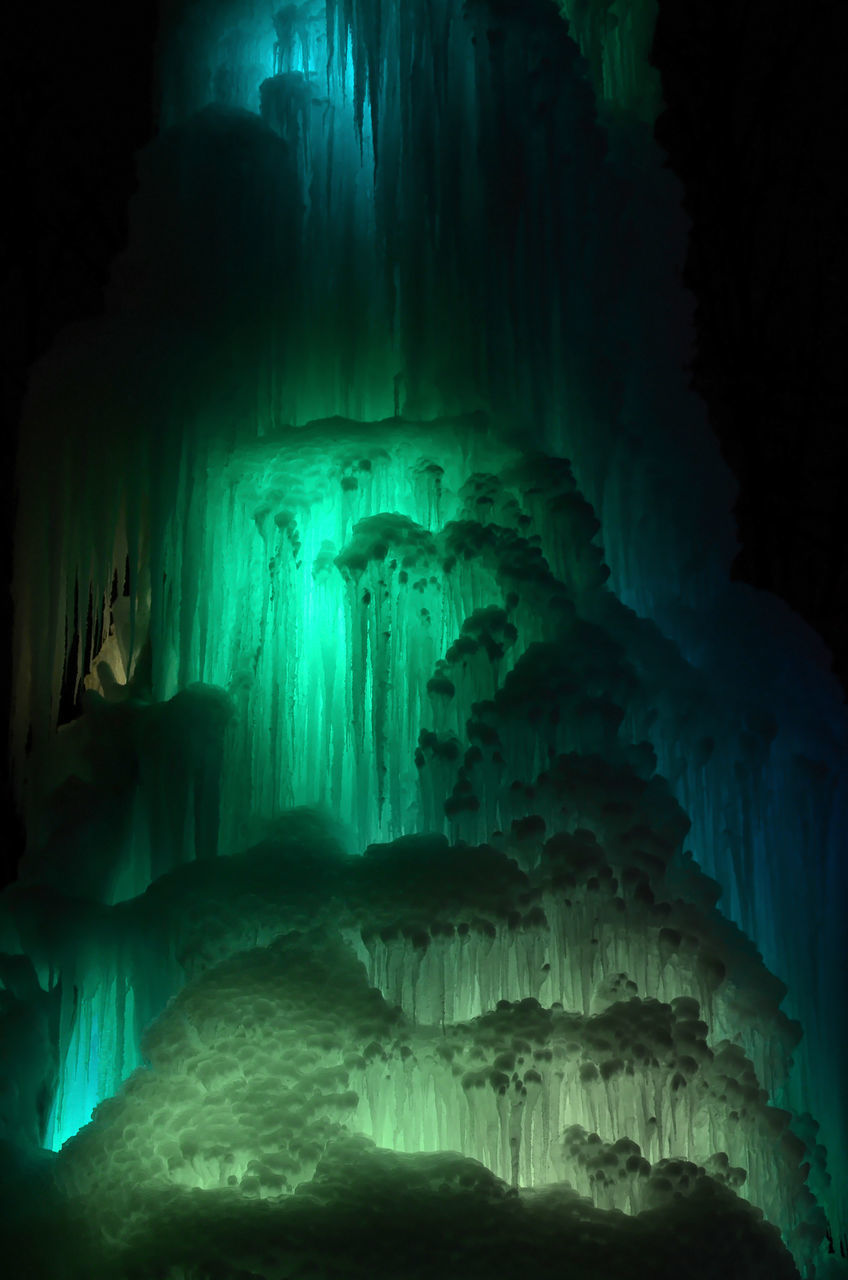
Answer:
(615, 38)
(428, 789)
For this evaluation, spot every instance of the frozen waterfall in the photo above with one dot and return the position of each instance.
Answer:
(439, 820)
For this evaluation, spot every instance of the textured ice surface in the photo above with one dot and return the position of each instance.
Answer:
(499, 1025)
(403, 538)
(525, 966)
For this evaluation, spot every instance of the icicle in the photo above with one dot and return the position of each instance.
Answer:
(362, 575)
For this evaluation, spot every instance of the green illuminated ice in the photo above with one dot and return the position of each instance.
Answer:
(370, 900)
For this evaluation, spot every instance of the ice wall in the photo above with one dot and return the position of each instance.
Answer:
(616, 38)
(315, 544)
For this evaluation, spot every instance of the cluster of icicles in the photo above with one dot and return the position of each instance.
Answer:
(525, 967)
(401, 624)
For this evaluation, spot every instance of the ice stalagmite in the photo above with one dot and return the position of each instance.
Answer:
(435, 863)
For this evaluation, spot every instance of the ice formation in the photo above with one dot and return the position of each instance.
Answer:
(438, 815)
